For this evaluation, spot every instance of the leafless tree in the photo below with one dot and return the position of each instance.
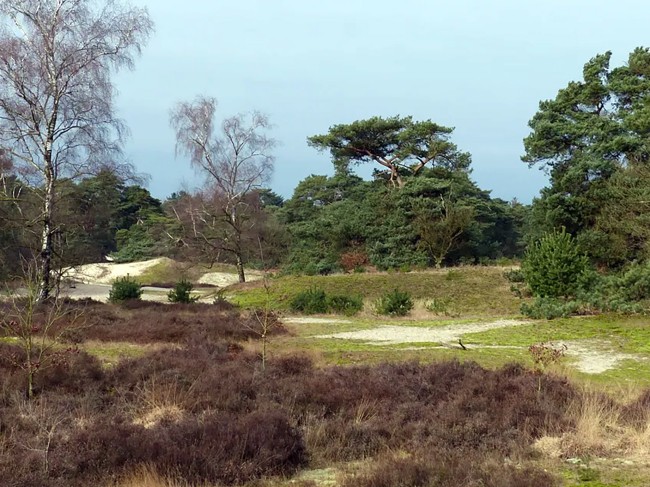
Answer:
(57, 117)
(235, 160)
(38, 329)
(440, 229)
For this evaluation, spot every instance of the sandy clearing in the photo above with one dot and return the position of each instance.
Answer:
(99, 292)
(590, 356)
(393, 335)
(107, 272)
(596, 356)
(223, 279)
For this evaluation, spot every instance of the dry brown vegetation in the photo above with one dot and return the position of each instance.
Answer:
(203, 412)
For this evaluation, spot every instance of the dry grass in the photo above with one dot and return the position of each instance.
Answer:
(146, 476)
(469, 291)
(160, 400)
(603, 428)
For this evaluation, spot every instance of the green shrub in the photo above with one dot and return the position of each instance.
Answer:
(311, 301)
(550, 308)
(515, 275)
(634, 283)
(438, 305)
(395, 303)
(182, 293)
(123, 289)
(555, 267)
(347, 305)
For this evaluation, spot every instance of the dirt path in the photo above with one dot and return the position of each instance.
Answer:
(393, 335)
(588, 356)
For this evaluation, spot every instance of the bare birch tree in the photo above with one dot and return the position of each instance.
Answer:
(57, 119)
(235, 160)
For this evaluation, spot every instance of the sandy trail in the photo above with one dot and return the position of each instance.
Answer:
(107, 272)
(393, 335)
(589, 356)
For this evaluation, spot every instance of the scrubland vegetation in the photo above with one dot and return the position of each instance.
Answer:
(175, 394)
(466, 381)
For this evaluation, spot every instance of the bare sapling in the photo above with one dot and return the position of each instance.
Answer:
(544, 355)
(39, 329)
(264, 320)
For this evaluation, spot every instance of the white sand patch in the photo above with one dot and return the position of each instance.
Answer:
(596, 356)
(107, 272)
(100, 292)
(392, 335)
(223, 279)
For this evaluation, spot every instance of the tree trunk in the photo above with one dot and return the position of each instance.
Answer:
(240, 269)
(395, 178)
(234, 223)
(45, 273)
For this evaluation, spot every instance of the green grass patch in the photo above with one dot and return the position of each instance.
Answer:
(626, 334)
(110, 353)
(170, 272)
(469, 291)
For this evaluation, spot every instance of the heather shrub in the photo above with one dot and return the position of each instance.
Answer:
(201, 412)
(228, 449)
(182, 293)
(395, 303)
(124, 289)
(150, 322)
(450, 469)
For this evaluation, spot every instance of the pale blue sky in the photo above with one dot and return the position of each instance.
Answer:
(479, 66)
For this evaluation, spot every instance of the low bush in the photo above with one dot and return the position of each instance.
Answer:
(315, 301)
(634, 283)
(182, 293)
(395, 303)
(347, 305)
(550, 308)
(124, 289)
(450, 469)
(515, 275)
(439, 305)
(310, 301)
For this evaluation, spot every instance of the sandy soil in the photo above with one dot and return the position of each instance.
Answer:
(391, 335)
(107, 272)
(589, 356)
(223, 279)
(94, 280)
(596, 356)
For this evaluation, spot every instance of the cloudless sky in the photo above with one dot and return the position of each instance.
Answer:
(477, 65)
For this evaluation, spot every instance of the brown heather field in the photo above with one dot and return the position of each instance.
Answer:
(175, 395)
